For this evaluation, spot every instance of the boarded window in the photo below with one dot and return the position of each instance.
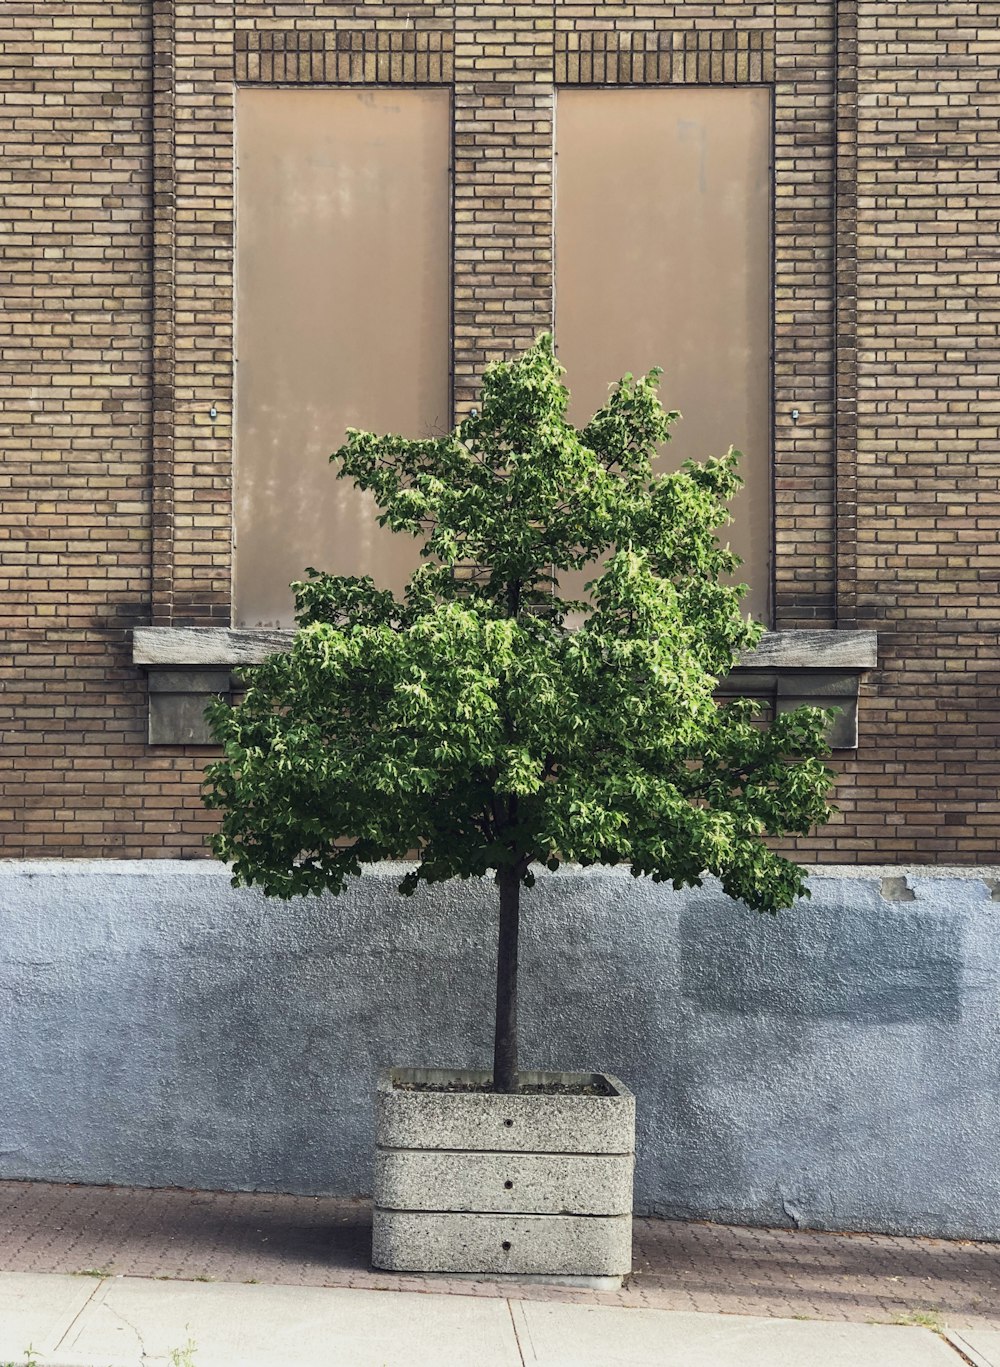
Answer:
(663, 258)
(342, 319)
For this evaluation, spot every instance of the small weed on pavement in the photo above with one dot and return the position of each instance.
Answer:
(922, 1319)
(183, 1357)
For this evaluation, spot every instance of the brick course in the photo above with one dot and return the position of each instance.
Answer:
(116, 126)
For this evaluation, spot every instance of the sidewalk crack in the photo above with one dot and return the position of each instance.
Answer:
(517, 1336)
(143, 1355)
(949, 1336)
(75, 1320)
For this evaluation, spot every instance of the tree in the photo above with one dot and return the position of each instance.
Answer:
(472, 724)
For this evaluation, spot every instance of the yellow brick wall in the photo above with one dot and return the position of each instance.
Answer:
(117, 175)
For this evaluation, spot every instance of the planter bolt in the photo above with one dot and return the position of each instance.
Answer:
(508, 1185)
(506, 1245)
(508, 1123)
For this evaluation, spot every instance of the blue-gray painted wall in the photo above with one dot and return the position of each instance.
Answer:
(836, 1067)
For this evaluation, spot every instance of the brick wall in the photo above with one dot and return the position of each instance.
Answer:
(76, 437)
(924, 566)
(116, 125)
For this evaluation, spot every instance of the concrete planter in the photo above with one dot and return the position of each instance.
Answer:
(479, 1182)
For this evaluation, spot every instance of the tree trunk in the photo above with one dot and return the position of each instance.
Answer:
(505, 1038)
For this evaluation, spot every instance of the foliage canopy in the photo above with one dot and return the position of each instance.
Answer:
(472, 722)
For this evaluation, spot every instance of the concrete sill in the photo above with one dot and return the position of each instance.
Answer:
(187, 665)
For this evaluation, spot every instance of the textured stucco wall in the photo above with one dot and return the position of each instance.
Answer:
(836, 1067)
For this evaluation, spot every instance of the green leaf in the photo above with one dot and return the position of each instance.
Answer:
(469, 723)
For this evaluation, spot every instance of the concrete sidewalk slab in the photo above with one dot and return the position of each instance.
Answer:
(980, 1346)
(557, 1335)
(38, 1310)
(133, 1321)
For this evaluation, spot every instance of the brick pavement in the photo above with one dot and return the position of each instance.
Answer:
(324, 1241)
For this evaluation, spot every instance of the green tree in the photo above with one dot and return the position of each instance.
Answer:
(472, 724)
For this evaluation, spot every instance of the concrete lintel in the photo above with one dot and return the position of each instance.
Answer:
(814, 650)
(187, 664)
(221, 647)
(230, 647)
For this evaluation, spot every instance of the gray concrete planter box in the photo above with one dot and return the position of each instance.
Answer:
(524, 1184)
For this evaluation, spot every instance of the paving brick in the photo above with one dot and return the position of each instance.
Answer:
(323, 1241)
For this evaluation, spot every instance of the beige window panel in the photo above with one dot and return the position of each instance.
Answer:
(663, 258)
(342, 320)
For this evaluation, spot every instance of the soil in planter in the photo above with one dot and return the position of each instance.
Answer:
(526, 1089)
